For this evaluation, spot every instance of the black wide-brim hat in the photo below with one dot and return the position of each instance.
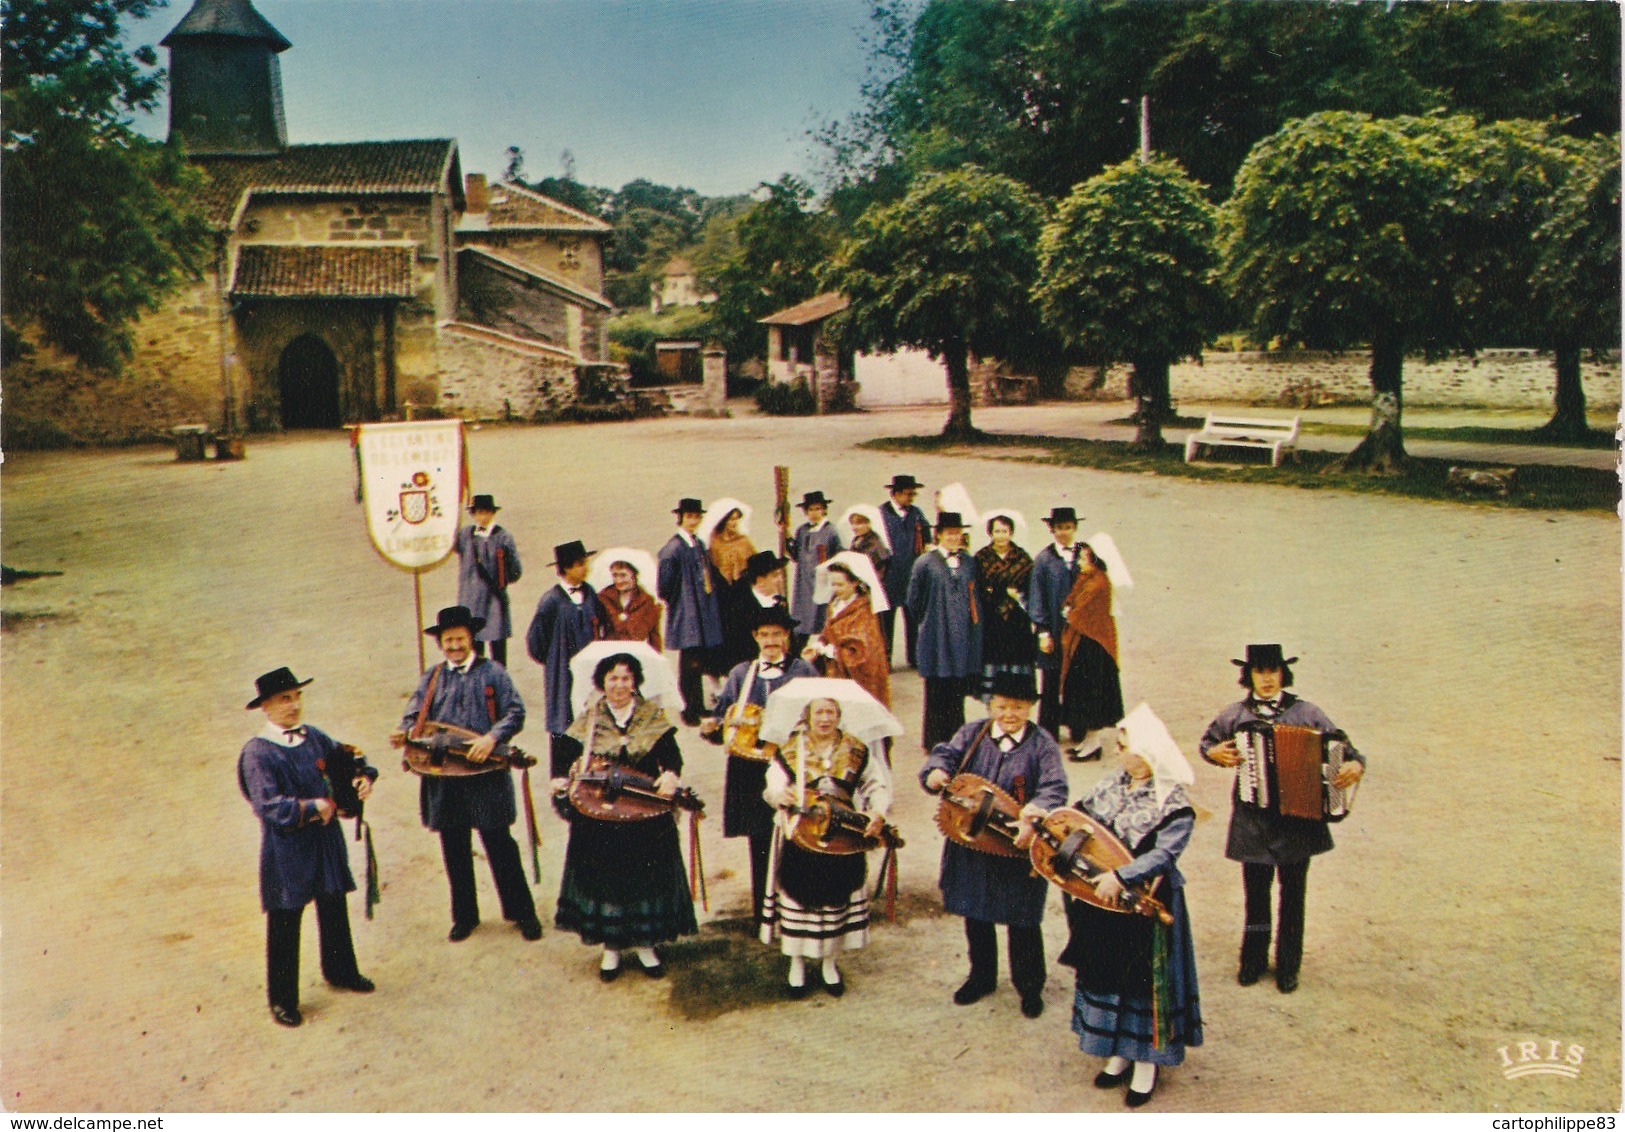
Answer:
(1015, 686)
(773, 615)
(567, 554)
(812, 498)
(762, 563)
(455, 617)
(688, 506)
(1265, 656)
(950, 521)
(904, 483)
(1061, 515)
(483, 503)
(277, 680)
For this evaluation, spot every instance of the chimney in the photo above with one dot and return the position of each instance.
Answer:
(475, 193)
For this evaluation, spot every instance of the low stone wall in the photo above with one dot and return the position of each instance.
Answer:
(1494, 379)
(485, 375)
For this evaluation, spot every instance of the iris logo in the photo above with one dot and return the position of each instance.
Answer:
(1550, 1057)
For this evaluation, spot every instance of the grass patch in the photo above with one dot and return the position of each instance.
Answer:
(13, 620)
(1539, 486)
(1470, 434)
(724, 968)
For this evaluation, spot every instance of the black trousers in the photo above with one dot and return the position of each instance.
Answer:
(761, 841)
(499, 650)
(888, 620)
(1255, 940)
(457, 849)
(944, 709)
(282, 948)
(1026, 955)
(691, 679)
(1049, 702)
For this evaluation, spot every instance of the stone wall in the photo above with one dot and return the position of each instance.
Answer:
(270, 219)
(1495, 379)
(487, 375)
(354, 331)
(177, 348)
(493, 297)
(575, 258)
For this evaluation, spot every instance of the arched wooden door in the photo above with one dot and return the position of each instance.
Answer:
(308, 379)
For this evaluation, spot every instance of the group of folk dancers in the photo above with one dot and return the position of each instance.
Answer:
(976, 625)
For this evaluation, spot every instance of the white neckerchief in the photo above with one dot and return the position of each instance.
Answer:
(814, 528)
(621, 717)
(949, 556)
(277, 734)
(900, 512)
(576, 594)
(836, 607)
(996, 733)
(463, 667)
(766, 601)
(688, 537)
(484, 532)
(1065, 552)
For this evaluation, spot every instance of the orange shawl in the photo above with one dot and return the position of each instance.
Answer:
(1089, 614)
(638, 620)
(860, 651)
(729, 555)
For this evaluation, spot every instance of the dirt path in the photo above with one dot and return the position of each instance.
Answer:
(1474, 900)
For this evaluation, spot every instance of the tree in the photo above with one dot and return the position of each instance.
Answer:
(1127, 269)
(1576, 280)
(947, 269)
(1336, 236)
(97, 223)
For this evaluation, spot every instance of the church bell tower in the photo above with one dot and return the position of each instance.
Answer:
(225, 87)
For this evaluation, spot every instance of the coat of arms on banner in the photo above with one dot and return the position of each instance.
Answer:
(414, 476)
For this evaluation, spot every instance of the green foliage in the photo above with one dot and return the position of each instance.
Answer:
(1127, 265)
(97, 223)
(786, 398)
(1576, 277)
(632, 336)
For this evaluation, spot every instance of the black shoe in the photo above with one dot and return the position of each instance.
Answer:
(531, 928)
(972, 991)
(609, 974)
(1286, 982)
(795, 993)
(460, 932)
(358, 983)
(835, 989)
(691, 718)
(1250, 972)
(1105, 1080)
(1135, 1100)
(1032, 1005)
(658, 971)
(1090, 757)
(287, 1016)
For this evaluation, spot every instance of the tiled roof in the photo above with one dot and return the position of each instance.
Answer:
(573, 290)
(234, 18)
(513, 206)
(815, 308)
(346, 167)
(304, 271)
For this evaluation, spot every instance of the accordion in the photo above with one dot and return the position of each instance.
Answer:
(1289, 770)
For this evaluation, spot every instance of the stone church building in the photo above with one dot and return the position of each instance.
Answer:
(364, 280)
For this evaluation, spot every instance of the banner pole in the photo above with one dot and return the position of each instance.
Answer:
(417, 602)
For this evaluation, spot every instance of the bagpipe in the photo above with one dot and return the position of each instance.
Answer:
(344, 766)
(1071, 849)
(980, 815)
(605, 790)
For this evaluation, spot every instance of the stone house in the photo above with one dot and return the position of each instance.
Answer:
(678, 286)
(363, 280)
(798, 349)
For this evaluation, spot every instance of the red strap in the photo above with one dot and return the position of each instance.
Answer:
(491, 702)
(428, 699)
(970, 590)
(502, 569)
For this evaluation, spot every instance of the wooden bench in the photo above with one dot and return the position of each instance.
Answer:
(1220, 430)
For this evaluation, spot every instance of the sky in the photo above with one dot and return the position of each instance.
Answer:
(713, 95)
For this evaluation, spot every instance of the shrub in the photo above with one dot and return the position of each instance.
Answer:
(786, 399)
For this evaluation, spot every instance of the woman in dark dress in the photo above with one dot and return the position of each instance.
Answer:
(1091, 688)
(1003, 570)
(1136, 1002)
(623, 884)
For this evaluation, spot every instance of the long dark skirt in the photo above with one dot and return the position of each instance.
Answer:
(1007, 646)
(818, 907)
(623, 883)
(1092, 696)
(1128, 983)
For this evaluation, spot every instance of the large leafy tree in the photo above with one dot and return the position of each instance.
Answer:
(1338, 236)
(97, 223)
(1127, 270)
(1577, 275)
(946, 269)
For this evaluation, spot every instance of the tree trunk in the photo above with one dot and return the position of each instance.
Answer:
(957, 363)
(1383, 449)
(1569, 418)
(1151, 392)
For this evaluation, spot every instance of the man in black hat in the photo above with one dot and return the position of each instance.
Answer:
(1055, 569)
(762, 587)
(688, 585)
(948, 651)
(568, 618)
(282, 771)
(744, 813)
(815, 542)
(1023, 760)
(1268, 844)
(909, 532)
(488, 562)
(472, 692)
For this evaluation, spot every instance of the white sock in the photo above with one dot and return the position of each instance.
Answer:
(1145, 1077)
(798, 971)
(1115, 1065)
(611, 960)
(647, 956)
(832, 974)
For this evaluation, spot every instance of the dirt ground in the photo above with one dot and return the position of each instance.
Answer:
(1473, 901)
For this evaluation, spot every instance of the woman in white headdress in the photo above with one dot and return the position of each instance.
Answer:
(1136, 1002)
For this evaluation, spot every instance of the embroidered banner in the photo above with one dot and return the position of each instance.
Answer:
(414, 482)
